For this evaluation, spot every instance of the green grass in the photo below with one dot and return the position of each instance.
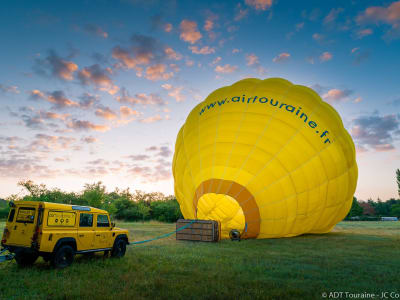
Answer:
(356, 257)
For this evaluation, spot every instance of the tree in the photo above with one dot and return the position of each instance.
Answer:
(356, 209)
(398, 181)
(395, 210)
(94, 194)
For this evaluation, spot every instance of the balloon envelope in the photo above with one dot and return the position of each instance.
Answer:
(267, 158)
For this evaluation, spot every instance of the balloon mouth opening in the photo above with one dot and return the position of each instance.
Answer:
(223, 208)
(230, 203)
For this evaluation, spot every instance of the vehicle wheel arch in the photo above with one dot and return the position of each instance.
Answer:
(65, 241)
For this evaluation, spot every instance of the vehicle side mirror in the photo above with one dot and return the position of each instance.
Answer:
(112, 224)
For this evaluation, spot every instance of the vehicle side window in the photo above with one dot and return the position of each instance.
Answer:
(102, 221)
(86, 220)
(11, 215)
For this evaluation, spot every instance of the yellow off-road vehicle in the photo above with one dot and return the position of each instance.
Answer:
(59, 231)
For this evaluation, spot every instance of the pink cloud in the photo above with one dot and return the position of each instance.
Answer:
(152, 119)
(226, 69)
(86, 125)
(106, 113)
(189, 32)
(252, 59)
(259, 4)
(158, 72)
(204, 50)
(174, 92)
(140, 98)
(171, 54)
(99, 77)
(364, 32)
(58, 98)
(168, 27)
(209, 24)
(375, 14)
(325, 56)
(336, 95)
(281, 57)
(127, 112)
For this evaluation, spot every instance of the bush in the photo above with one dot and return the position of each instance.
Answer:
(4, 212)
(166, 211)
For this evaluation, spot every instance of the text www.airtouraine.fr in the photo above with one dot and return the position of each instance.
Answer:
(264, 100)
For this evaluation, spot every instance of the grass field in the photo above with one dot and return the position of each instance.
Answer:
(356, 257)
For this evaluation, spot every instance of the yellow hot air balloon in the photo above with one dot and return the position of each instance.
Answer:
(267, 158)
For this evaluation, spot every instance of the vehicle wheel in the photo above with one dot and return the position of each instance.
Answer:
(25, 259)
(119, 248)
(63, 257)
(46, 257)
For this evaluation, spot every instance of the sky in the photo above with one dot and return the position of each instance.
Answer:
(98, 90)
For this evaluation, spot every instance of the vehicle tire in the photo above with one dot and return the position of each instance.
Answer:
(119, 248)
(25, 259)
(63, 257)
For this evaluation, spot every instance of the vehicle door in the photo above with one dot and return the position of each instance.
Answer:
(22, 227)
(86, 232)
(103, 237)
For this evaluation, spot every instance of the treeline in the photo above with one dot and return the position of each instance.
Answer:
(374, 210)
(121, 204)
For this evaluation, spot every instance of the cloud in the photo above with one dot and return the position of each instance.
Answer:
(168, 27)
(333, 14)
(204, 50)
(98, 77)
(88, 100)
(95, 30)
(281, 57)
(54, 65)
(299, 26)
(364, 32)
(259, 4)
(174, 92)
(376, 14)
(80, 125)
(317, 36)
(139, 157)
(171, 54)
(336, 95)
(162, 151)
(216, 60)
(140, 98)
(144, 50)
(358, 100)
(389, 15)
(226, 69)
(158, 72)
(325, 56)
(89, 139)
(376, 132)
(240, 12)
(208, 25)
(44, 142)
(252, 59)
(105, 113)
(189, 63)
(189, 31)
(127, 112)
(152, 119)
(58, 98)
(9, 89)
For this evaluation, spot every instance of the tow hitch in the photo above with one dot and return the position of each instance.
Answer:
(5, 257)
